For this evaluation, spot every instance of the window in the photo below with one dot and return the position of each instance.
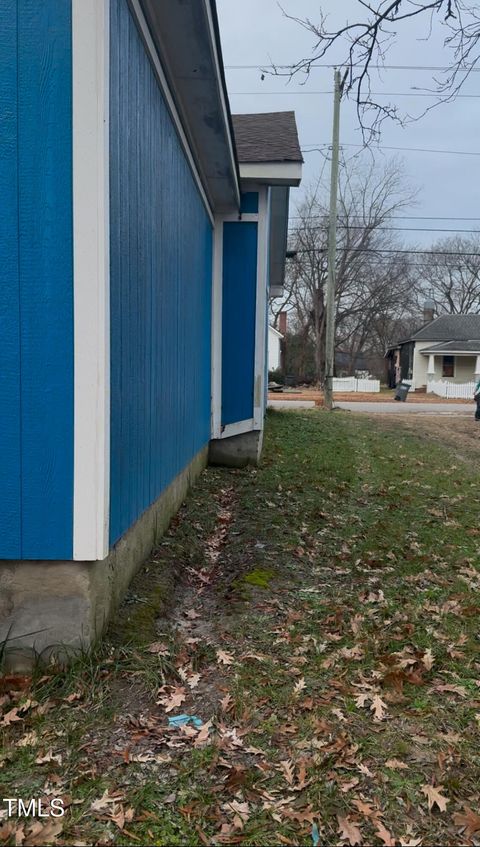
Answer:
(448, 366)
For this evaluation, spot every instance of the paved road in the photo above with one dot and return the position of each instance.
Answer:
(462, 409)
(411, 408)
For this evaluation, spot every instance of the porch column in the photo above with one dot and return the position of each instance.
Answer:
(477, 369)
(430, 371)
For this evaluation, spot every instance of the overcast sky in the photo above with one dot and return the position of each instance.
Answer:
(255, 32)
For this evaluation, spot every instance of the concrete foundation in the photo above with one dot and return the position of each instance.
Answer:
(61, 607)
(236, 451)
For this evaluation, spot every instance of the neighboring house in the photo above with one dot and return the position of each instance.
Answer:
(447, 348)
(344, 365)
(274, 348)
(141, 228)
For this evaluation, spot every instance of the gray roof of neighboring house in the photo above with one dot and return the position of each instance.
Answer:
(267, 137)
(450, 328)
(453, 346)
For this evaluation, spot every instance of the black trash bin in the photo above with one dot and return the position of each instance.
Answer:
(402, 390)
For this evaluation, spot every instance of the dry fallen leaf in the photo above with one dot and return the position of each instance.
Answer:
(48, 757)
(299, 686)
(362, 699)
(204, 733)
(6, 832)
(236, 778)
(345, 787)
(468, 820)
(288, 768)
(105, 801)
(396, 765)
(339, 714)
(451, 689)
(10, 717)
(28, 740)
(434, 797)
(384, 835)
(378, 707)
(192, 614)
(365, 770)
(72, 698)
(224, 658)
(302, 781)
(349, 831)
(158, 648)
(241, 810)
(226, 703)
(41, 834)
(366, 809)
(174, 700)
(147, 758)
(428, 659)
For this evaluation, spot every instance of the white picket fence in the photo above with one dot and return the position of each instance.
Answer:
(450, 390)
(351, 383)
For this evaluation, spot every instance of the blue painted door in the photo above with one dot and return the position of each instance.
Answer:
(240, 242)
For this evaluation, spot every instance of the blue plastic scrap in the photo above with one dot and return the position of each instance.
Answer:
(315, 835)
(183, 720)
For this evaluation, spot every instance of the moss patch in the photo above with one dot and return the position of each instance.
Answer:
(259, 578)
(149, 598)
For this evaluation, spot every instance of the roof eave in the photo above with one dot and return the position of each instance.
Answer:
(272, 173)
(448, 351)
(187, 39)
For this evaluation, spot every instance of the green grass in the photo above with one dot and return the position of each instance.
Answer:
(349, 553)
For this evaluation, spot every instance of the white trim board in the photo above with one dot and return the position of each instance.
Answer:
(162, 81)
(217, 333)
(261, 309)
(91, 261)
(280, 173)
(238, 428)
(277, 333)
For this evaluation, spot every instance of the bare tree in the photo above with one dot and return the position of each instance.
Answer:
(364, 45)
(450, 275)
(372, 277)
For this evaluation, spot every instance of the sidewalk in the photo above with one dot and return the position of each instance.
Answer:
(315, 396)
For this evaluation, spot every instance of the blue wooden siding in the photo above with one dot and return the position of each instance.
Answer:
(239, 310)
(161, 280)
(36, 286)
(249, 202)
(10, 487)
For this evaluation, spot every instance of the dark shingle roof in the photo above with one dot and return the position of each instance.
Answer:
(267, 137)
(454, 346)
(450, 328)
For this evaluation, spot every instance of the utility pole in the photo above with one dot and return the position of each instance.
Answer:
(332, 250)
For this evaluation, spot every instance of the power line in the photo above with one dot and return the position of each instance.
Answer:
(326, 65)
(394, 217)
(371, 94)
(411, 265)
(320, 149)
(391, 229)
(393, 250)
